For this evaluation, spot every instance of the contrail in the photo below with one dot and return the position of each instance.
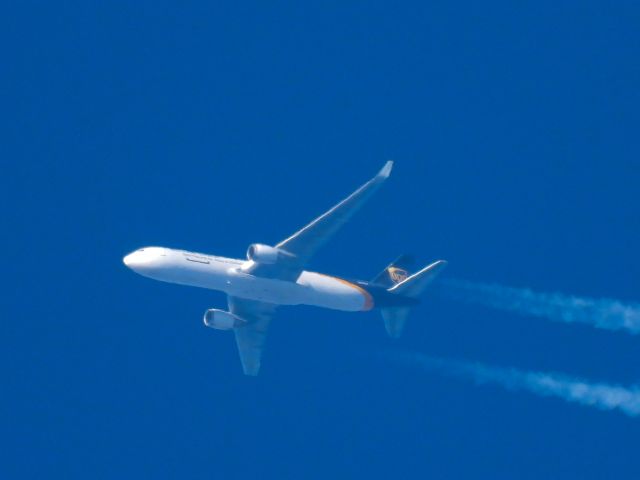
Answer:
(602, 313)
(570, 389)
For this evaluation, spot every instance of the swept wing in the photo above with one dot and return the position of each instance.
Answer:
(303, 244)
(251, 337)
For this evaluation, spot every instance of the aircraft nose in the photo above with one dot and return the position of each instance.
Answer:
(145, 260)
(138, 259)
(128, 260)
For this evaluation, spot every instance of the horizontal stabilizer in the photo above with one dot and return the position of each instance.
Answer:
(406, 286)
(394, 320)
(413, 285)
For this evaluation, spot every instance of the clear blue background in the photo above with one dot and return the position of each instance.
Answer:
(208, 126)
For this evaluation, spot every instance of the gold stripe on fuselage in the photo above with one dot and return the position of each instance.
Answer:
(368, 299)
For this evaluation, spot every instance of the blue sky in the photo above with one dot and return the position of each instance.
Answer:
(209, 126)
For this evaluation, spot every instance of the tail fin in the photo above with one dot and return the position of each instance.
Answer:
(395, 272)
(409, 285)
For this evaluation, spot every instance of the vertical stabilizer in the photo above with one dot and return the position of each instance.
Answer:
(395, 272)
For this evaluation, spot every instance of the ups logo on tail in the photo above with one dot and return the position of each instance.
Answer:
(397, 274)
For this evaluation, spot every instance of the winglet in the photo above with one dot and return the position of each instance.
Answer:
(386, 170)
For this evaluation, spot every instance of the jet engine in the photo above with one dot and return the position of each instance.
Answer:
(263, 253)
(222, 320)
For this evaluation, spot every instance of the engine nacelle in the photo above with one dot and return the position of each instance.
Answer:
(263, 253)
(222, 320)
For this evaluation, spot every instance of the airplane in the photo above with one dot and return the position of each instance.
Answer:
(275, 275)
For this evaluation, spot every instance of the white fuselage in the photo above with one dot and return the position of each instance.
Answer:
(229, 276)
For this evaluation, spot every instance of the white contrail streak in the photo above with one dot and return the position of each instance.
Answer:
(570, 389)
(602, 313)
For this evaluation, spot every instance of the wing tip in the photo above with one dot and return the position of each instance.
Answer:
(386, 170)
